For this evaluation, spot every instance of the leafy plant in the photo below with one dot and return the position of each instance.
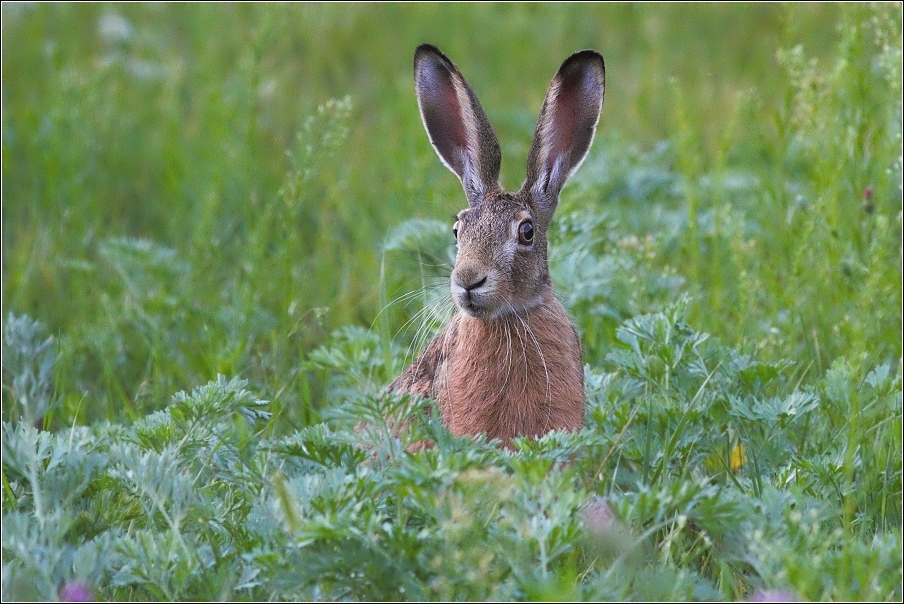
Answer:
(180, 206)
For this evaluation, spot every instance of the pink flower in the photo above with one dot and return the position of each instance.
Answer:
(76, 591)
(773, 595)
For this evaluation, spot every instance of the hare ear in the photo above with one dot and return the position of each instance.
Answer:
(566, 126)
(456, 124)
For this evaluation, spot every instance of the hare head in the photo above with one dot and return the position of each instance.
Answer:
(501, 267)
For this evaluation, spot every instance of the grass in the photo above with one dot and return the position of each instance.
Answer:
(192, 191)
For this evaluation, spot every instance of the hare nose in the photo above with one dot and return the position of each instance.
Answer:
(473, 286)
(469, 278)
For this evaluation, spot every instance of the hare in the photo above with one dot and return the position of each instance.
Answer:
(508, 364)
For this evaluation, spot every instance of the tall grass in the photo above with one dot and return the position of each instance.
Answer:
(176, 205)
(192, 191)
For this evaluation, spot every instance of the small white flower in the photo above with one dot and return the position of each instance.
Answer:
(115, 28)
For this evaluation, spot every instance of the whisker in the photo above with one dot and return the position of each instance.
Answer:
(508, 358)
(403, 298)
(442, 310)
(524, 381)
(442, 265)
(422, 332)
(530, 332)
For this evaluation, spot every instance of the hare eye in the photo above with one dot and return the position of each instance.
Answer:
(455, 230)
(526, 233)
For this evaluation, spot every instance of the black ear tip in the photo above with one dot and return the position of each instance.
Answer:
(425, 49)
(585, 58)
(428, 52)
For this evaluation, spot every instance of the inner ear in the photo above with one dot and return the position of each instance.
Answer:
(575, 117)
(566, 126)
(441, 112)
(456, 123)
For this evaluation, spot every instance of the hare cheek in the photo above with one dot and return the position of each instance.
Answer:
(508, 255)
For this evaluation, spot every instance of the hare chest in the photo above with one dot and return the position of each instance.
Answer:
(515, 376)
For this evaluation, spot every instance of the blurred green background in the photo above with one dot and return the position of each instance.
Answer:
(182, 197)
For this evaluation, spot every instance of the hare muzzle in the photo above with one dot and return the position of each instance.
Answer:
(472, 290)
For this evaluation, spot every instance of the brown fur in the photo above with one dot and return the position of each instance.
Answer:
(504, 378)
(509, 362)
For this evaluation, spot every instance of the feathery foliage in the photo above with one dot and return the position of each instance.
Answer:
(182, 201)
